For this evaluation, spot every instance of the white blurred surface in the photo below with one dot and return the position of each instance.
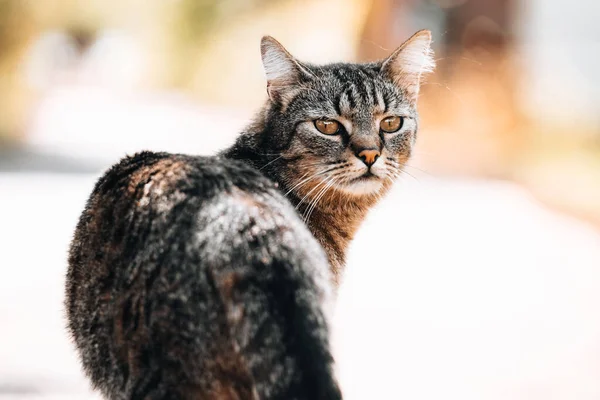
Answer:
(91, 122)
(470, 290)
(38, 214)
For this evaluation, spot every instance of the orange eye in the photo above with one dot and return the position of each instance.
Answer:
(391, 124)
(328, 127)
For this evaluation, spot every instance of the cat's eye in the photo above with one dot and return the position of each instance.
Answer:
(327, 126)
(391, 124)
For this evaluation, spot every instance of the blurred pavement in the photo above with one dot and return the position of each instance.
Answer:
(470, 290)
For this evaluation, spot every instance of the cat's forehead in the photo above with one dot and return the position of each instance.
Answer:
(348, 72)
(357, 89)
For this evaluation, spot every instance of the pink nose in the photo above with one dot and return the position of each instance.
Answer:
(369, 156)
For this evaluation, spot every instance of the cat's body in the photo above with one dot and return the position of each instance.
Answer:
(209, 277)
(189, 279)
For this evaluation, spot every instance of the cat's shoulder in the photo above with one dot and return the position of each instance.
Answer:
(162, 173)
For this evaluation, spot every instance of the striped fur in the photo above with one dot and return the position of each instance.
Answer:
(320, 174)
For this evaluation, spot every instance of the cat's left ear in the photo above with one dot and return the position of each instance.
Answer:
(406, 65)
(283, 71)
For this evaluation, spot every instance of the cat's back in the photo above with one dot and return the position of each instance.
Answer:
(147, 178)
(182, 273)
(148, 192)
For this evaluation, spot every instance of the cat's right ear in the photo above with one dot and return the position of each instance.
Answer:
(283, 71)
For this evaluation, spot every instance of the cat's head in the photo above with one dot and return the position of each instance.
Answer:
(343, 127)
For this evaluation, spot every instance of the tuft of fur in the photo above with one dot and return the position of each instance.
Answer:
(209, 277)
(410, 61)
(282, 70)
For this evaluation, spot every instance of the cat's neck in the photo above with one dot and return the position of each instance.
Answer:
(333, 220)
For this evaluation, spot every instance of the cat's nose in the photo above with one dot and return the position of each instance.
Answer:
(368, 156)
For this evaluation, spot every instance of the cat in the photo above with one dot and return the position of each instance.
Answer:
(213, 277)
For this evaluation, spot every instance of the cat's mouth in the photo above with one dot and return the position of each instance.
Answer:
(365, 183)
(366, 176)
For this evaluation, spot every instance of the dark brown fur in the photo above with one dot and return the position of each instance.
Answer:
(193, 278)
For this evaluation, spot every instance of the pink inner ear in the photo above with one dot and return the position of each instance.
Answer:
(277, 63)
(410, 61)
(282, 70)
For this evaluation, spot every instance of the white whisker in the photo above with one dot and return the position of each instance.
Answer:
(318, 198)
(270, 162)
(318, 185)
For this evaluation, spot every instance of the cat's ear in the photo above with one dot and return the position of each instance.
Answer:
(283, 71)
(406, 65)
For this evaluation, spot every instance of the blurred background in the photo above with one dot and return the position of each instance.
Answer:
(509, 120)
(515, 95)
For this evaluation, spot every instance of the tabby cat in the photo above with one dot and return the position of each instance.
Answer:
(210, 277)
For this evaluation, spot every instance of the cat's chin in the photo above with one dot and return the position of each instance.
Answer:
(363, 186)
